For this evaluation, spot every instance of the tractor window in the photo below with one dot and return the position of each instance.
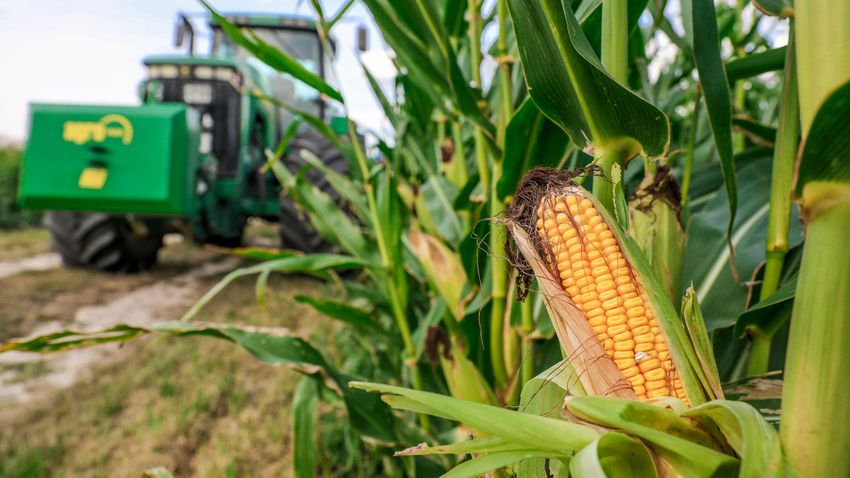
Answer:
(301, 45)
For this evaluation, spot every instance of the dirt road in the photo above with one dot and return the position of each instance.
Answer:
(41, 297)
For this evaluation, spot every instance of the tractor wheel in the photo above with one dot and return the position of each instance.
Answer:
(101, 241)
(296, 232)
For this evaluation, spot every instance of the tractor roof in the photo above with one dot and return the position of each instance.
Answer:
(271, 20)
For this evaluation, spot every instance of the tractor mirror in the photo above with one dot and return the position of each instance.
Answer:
(362, 38)
(184, 30)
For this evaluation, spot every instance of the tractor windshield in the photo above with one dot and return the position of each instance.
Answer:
(302, 45)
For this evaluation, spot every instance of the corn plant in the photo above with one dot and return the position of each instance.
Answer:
(646, 216)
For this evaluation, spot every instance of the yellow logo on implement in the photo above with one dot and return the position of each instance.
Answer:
(110, 126)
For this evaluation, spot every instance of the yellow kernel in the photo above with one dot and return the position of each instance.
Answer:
(623, 337)
(655, 374)
(610, 249)
(635, 312)
(656, 384)
(608, 345)
(625, 363)
(649, 364)
(617, 329)
(639, 390)
(574, 291)
(632, 302)
(637, 380)
(593, 304)
(615, 311)
(616, 320)
(640, 330)
(626, 288)
(630, 373)
(600, 329)
(605, 286)
(607, 295)
(624, 344)
(596, 321)
(594, 220)
(595, 312)
(661, 392)
(604, 277)
(584, 281)
(587, 205)
(606, 234)
(646, 347)
(612, 303)
(593, 254)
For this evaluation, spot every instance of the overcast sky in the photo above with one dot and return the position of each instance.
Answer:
(90, 51)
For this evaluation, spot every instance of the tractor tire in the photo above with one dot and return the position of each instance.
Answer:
(103, 242)
(296, 232)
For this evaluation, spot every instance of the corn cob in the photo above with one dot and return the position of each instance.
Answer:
(601, 282)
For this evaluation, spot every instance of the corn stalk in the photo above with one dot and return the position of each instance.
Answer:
(816, 389)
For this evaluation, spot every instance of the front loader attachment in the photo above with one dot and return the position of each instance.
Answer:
(116, 159)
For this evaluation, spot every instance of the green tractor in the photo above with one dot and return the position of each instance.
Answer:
(188, 159)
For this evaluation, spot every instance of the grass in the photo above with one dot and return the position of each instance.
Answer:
(47, 296)
(23, 243)
(199, 407)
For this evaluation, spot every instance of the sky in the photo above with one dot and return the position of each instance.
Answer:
(90, 52)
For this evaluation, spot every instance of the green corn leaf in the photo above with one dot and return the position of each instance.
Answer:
(354, 316)
(755, 64)
(775, 8)
(316, 264)
(530, 140)
(257, 253)
(703, 351)
(492, 461)
(520, 428)
(443, 269)
(707, 257)
(759, 133)
(544, 395)
(823, 161)
(347, 189)
(569, 85)
(487, 444)
(305, 456)
(272, 56)
(690, 450)
(437, 196)
(770, 314)
(463, 378)
(613, 454)
(753, 439)
(764, 393)
(275, 346)
(700, 21)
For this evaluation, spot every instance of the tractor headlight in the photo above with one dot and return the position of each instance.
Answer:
(168, 71)
(229, 75)
(204, 72)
